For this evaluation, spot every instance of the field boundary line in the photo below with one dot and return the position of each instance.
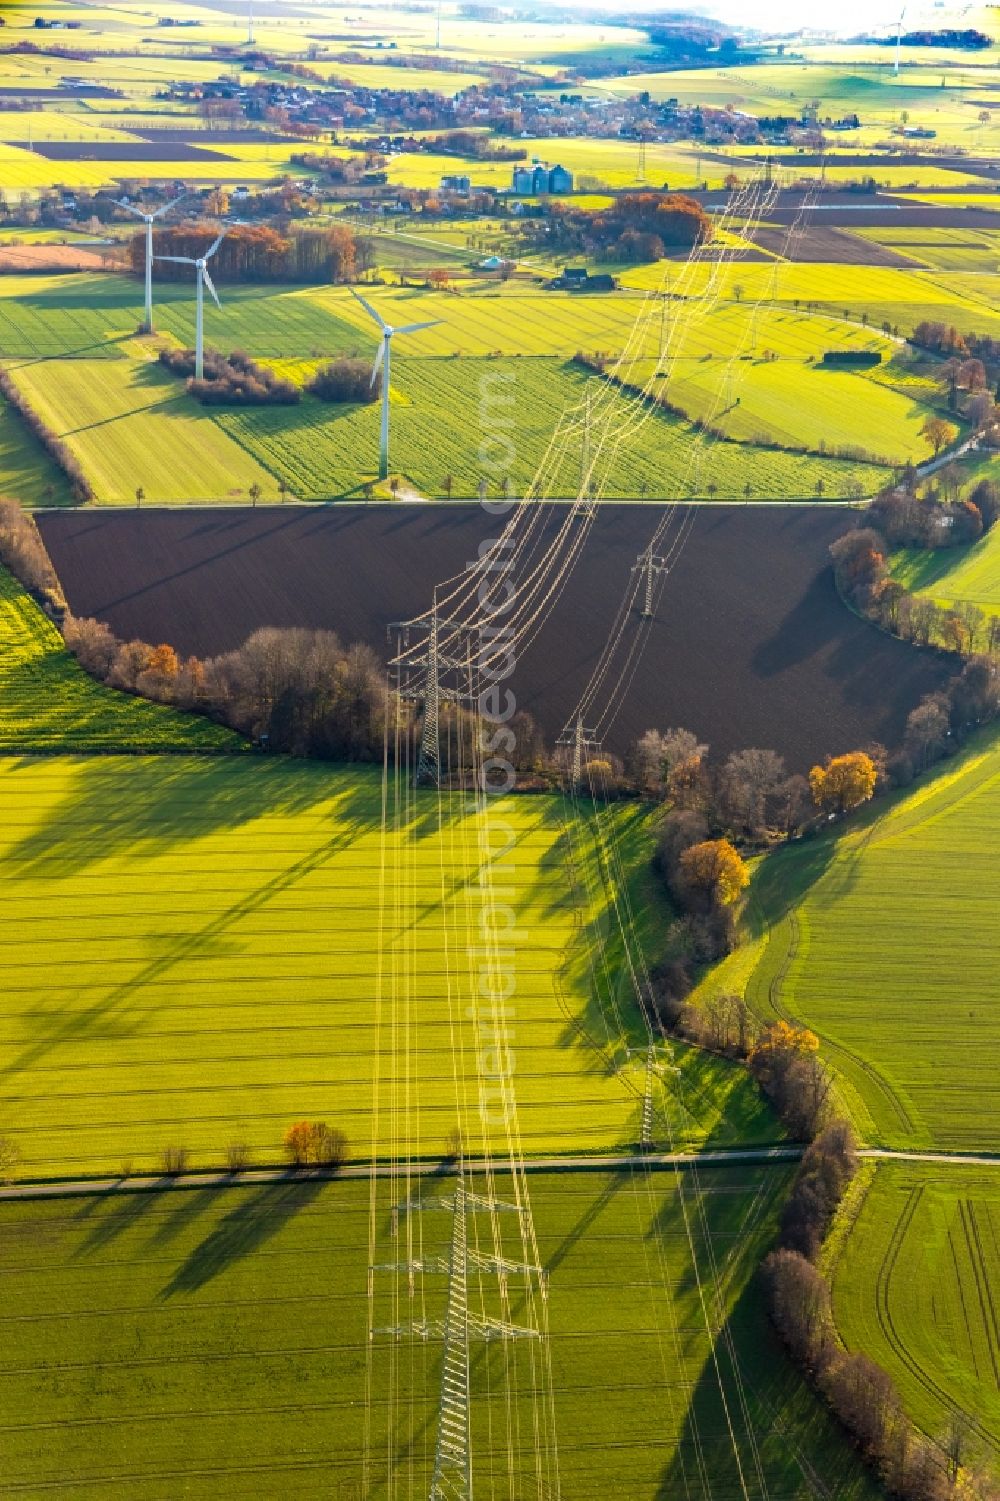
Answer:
(74, 1187)
(53, 1188)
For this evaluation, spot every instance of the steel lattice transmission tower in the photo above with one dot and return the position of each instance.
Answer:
(459, 1329)
(651, 566)
(579, 741)
(430, 677)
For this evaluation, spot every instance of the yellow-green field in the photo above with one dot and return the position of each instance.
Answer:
(883, 941)
(226, 970)
(132, 425)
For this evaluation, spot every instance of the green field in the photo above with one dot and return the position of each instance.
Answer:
(968, 574)
(322, 451)
(126, 1317)
(803, 404)
(221, 977)
(132, 425)
(916, 1289)
(26, 471)
(47, 702)
(884, 941)
(737, 366)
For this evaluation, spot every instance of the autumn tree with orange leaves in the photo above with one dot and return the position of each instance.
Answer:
(844, 783)
(715, 868)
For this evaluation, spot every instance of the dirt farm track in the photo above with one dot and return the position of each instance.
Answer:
(751, 644)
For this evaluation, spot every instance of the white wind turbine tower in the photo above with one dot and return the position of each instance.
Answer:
(147, 219)
(383, 363)
(202, 280)
(899, 37)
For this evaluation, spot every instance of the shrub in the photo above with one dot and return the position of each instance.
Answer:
(233, 380)
(346, 380)
(174, 1160)
(237, 1156)
(315, 1142)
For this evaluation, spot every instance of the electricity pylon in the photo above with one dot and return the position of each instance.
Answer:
(579, 740)
(430, 677)
(452, 1475)
(651, 565)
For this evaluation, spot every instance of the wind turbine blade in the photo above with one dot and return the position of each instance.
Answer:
(130, 208)
(413, 328)
(379, 361)
(211, 287)
(181, 260)
(172, 204)
(214, 247)
(372, 313)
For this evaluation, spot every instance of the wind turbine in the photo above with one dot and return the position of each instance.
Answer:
(899, 37)
(147, 219)
(382, 362)
(202, 280)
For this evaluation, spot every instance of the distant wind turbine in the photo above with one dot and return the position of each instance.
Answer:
(899, 37)
(147, 219)
(202, 280)
(383, 363)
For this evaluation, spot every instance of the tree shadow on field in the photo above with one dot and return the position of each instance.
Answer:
(802, 633)
(168, 1210)
(121, 1214)
(769, 1433)
(257, 1216)
(591, 1214)
(139, 807)
(154, 829)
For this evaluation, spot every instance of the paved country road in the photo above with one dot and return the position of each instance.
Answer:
(650, 1161)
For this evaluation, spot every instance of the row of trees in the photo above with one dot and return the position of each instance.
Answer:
(861, 1394)
(294, 690)
(23, 552)
(785, 1062)
(751, 795)
(230, 380)
(475, 145)
(863, 577)
(258, 253)
(908, 518)
(944, 338)
(54, 446)
(749, 799)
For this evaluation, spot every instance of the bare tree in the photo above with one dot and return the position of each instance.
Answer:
(748, 779)
(799, 1305)
(927, 729)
